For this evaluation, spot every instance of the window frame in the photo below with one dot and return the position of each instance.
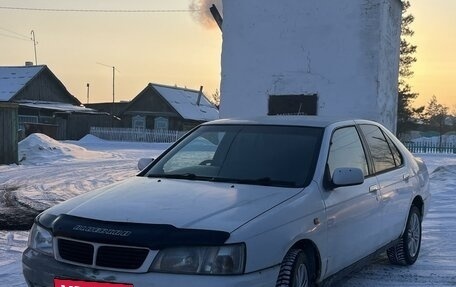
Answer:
(370, 170)
(392, 146)
(188, 137)
(389, 141)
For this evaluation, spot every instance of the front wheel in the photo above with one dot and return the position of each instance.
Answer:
(407, 250)
(297, 270)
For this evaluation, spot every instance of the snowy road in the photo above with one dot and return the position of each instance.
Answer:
(436, 265)
(40, 184)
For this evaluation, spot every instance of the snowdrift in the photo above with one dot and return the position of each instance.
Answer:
(91, 139)
(444, 173)
(38, 149)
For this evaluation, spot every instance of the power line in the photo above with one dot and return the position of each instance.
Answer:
(99, 10)
(14, 37)
(15, 33)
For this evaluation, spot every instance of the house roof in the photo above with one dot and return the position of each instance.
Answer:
(184, 101)
(59, 107)
(13, 79)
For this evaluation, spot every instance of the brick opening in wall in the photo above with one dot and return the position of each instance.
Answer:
(293, 104)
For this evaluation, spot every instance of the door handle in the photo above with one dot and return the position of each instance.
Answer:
(374, 188)
(406, 177)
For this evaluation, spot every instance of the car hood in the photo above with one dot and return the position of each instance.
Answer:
(181, 203)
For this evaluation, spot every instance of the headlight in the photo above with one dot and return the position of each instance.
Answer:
(41, 240)
(220, 260)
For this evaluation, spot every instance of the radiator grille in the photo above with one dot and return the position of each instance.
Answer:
(100, 255)
(76, 251)
(121, 257)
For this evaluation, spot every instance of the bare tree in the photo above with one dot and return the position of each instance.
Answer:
(436, 115)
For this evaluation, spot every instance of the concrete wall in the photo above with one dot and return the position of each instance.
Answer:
(345, 51)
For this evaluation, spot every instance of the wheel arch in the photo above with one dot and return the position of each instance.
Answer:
(419, 203)
(309, 246)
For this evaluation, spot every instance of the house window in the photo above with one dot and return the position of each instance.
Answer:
(293, 105)
(161, 123)
(26, 119)
(138, 122)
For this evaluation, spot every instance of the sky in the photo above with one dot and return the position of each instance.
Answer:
(435, 36)
(168, 48)
(176, 48)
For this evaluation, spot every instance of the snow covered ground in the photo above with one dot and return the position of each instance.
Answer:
(53, 171)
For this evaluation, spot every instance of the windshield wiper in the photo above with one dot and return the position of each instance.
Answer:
(190, 176)
(258, 181)
(266, 181)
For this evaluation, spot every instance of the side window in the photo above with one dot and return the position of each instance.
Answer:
(346, 150)
(397, 155)
(380, 150)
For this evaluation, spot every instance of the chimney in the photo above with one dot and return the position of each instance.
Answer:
(217, 17)
(199, 96)
(28, 63)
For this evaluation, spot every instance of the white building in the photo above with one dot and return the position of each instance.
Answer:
(325, 57)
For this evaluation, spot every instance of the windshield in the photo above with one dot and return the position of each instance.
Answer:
(249, 154)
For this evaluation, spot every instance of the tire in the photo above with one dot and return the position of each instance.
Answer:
(407, 250)
(297, 270)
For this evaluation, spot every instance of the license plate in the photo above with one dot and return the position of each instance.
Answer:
(80, 283)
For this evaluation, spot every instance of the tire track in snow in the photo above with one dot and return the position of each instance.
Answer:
(37, 188)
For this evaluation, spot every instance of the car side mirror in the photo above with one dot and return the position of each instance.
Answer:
(144, 162)
(347, 176)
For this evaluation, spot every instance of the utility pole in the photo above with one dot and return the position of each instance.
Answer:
(88, 92)
(34, 45)
(113, 81)
(113, 90)
(216, 15)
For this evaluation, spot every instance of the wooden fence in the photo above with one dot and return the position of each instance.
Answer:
(449, 148)
(8, 133)
(136, 135)
(165, 136)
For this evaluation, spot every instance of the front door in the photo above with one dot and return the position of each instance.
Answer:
(353, 214)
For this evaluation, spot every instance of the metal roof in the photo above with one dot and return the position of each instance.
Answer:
(60, 107)
(13, 79)
(184, 101)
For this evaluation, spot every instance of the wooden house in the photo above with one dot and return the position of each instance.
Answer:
(161, 107)
(115, 109)
(45, 105)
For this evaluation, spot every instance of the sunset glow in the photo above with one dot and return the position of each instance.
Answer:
(176, 48)
(435, 70)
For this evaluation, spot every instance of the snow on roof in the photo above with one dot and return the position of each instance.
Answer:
(13, 79)
(57, 106)
(184, 102)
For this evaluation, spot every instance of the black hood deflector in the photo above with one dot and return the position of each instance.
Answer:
(153, 236)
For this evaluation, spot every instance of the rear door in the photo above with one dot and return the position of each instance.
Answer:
(393, 179)
(353, 212)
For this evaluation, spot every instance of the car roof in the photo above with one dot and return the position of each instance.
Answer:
(310, 121)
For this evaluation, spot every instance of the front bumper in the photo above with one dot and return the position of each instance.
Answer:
(40, 270)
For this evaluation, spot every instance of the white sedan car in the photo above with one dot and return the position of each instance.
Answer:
(273, 201)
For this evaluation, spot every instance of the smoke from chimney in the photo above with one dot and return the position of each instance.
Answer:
(204, 15)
